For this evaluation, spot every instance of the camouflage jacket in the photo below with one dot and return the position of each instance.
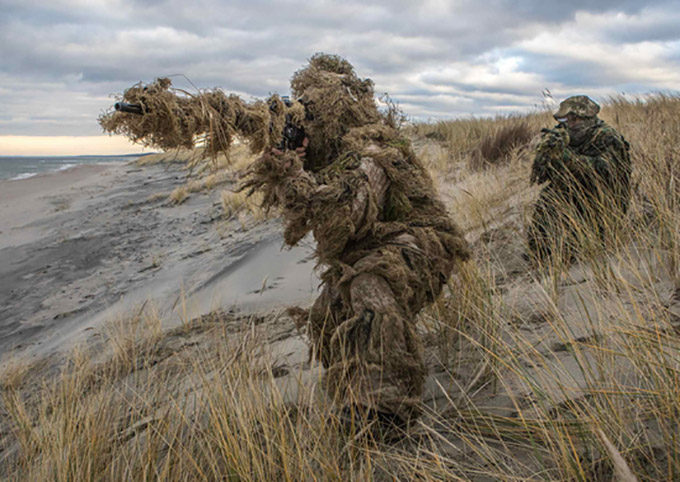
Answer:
(600, 164)
(367, 197)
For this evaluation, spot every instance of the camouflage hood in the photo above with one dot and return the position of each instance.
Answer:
(336, 100)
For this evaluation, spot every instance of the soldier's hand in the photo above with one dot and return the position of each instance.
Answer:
(302, 150)
(284, 161)
(549, 153)
(553, 139)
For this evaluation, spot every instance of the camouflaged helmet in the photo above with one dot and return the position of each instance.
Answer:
(580, 105)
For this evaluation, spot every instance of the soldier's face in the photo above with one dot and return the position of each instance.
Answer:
(573, 121)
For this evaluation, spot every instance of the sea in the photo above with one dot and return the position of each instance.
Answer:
(16, 168)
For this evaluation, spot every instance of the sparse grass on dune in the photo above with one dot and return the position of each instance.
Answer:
(619, 383)
(164, 408)
(206, 175)
(240, 205)
(568, 373)
(179, 195)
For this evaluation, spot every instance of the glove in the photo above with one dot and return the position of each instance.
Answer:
(548, 154)
(557, 139)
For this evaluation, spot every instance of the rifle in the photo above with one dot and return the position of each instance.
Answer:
(293, 134)
(168, 118)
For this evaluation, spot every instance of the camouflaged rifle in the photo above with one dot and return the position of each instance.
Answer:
(157, 115)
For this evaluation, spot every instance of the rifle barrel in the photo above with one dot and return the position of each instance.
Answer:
(129, 108)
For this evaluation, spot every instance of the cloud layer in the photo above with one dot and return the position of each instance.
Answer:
(437, 58)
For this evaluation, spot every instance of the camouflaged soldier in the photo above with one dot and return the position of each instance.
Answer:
(383, 236)
(384, 239)
(587, 167)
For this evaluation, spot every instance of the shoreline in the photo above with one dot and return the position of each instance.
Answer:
(66, 167)
(18, 168)
(25, 202)
(71, 169)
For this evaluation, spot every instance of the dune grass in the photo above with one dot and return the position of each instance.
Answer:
(243, 207)
(566, 372)
(204, 174)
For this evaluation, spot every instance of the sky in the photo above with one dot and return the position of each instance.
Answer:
(61, 60)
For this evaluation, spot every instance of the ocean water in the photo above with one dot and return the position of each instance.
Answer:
(23, 167)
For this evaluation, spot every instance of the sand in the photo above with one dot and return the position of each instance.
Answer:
(86, 246)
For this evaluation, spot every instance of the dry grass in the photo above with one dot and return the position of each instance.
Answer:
(160, 407)
(465, 136)
(620, 330)
(179, 195)
(502, 144)
(565, 373)
(158, 196)
(238, 203)
(210, 181)
(208, 174)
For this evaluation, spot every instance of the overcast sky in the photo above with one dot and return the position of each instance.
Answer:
(61, 59)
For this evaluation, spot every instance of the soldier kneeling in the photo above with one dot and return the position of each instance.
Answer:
(586, 164)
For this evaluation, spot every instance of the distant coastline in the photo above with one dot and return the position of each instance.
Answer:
(17, 168)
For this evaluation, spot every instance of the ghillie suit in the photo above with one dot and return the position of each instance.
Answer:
(588, 174)
(384, 238)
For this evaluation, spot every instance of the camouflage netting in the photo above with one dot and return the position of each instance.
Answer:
(411, 200)
(174, 118)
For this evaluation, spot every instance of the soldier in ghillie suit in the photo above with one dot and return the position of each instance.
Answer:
(384, 239)
(587, 167)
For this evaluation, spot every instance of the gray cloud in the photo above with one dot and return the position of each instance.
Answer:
(438, 58)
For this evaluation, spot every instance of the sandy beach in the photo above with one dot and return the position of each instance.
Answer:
(88, 245)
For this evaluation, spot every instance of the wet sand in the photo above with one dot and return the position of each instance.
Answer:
(91, 244)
